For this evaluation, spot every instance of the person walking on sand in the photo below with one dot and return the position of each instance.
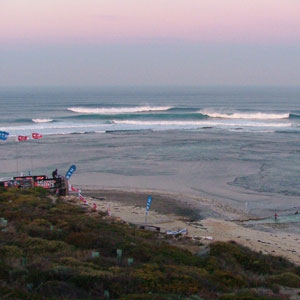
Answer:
(54, 173)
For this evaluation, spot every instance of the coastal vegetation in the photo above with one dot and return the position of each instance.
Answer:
(52, 249)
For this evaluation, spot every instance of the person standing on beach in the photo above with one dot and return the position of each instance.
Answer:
(54, 173)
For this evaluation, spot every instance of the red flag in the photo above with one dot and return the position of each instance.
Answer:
(74, 189)
(22, 138)
(82, 199)
(36, 136)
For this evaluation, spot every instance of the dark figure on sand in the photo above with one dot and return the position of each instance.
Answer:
(54, 173)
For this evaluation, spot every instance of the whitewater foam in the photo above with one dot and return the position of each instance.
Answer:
(42, 120)
(200, 123)
(118, 110)
(244, 115)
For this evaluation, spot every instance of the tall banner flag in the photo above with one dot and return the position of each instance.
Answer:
(36, 136)
(108, 210)
(22, 138)
(70, 172)
(4, 135)
(149, 201)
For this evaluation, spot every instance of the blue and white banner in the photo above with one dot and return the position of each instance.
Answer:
(70, 172)
(4, 135)
(148, 204)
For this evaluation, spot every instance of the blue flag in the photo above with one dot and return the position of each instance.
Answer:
(4, 135)
(70, 172)
(148, 204)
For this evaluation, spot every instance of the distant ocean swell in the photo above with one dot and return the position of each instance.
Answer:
(169, 110)
(170, 114)
(133, 118)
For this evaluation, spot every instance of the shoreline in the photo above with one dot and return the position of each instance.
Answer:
(170, 213)
(183, 204)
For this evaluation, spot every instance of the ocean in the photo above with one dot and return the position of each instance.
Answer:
(236, 146)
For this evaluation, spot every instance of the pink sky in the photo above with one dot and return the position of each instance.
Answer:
(136, 20)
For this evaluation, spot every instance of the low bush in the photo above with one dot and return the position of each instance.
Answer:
(286, 279)
(47, 255)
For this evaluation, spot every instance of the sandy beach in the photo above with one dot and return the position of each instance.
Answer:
(208, 224)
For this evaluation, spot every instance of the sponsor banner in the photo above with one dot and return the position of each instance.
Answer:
(36, 136)
(35, 178)
(22, 138)
(46, 184)
(82, 199)
(70, 172)
(94, 206)
(108, 210)
(149, 201)
(73, 189)
(4, 135)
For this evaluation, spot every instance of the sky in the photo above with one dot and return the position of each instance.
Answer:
(149, 42)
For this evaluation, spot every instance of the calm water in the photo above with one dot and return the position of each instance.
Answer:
(239, 146)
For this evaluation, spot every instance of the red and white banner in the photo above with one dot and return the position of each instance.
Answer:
(108, 210)
(82, 199)
(36, 136)
(73, 189)
(22, 138)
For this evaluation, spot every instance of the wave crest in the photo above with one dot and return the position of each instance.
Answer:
(201, 123)
(244, 115)
(294, 116)
(117, 110)
(42, 120)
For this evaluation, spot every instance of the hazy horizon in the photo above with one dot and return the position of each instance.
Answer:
(142, 43)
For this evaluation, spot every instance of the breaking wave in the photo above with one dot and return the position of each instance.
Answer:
(246, 115)
(42, 120)
(199, 123)
(294, 116)
(117, 110)
(164, 123)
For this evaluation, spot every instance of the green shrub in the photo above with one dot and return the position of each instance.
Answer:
(60, 290)
(167, 254)
(286, 279)
(247, 259)
(248, 296)
(39, 246)
(17, 273)
(47, 263)
(10, 252)
(226, 281)
(88, 278)
(146, 297)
